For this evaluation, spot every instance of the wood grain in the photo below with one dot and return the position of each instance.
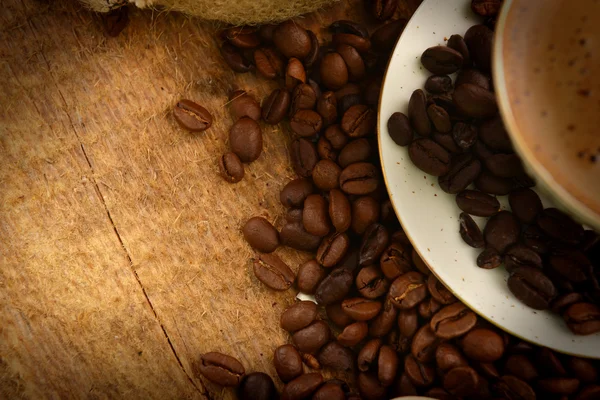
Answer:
(121, 259)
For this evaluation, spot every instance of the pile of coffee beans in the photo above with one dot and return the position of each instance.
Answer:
(453, 131)
(380, 316)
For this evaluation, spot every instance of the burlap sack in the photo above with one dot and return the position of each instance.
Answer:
(237, 12)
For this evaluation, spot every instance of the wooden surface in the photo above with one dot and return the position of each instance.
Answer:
(121, 259)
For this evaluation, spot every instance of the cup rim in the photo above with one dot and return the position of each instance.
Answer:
(559, 194)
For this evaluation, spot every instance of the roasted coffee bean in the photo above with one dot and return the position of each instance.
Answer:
(346, 26)
(456, 42)
(474, 101)
(243, 37)
(464, 135)
(310, 274)
(395, 260)
(489, 259)
(242, 104)
(583, 318)
(332, 249)
(261, 235)
(362, 44)
(408, 322)
(293, 215)
(477, 203)
(295, 192)
(481, 151)
(385, 37)
(438, 84)
(399, 129)
(231, 167)
(335, 356)
(365, 211)
(562, 302)
(303, 98)
(359, 178)
(408, 290)
(558, 385)
(464, 169)
(353, 334)
(370, 282)
(350, 261)
(311, 338)
(442, 60)
(374, 242)
(302, 387)
(334, 287)
(339, 210)
(357, 150)
(417, 113)
(486, 8)
(344, 103)
(428, 308)
(268, 63)
(448, 356)
(333, 71)
(373, 92)
(429, 156)
(488, 183)
(257, 386)
(483, 345)
(304, 157)
(245, 139)
(276, 106)
(559, 226)
(353, 60)
(329, 391)
(504, 165)
(326, 175)
(298, 316)
(370, 388)
(439, 292)
(439, 118)
(295, 236)
(382, 324)
(287, 362)
(327, 108)
(445, 101)
(387, 365)
(549, 362)
(336, 136)
(295, 73)
(315, 216)
(292, 40)
(404, 387)
(192, 116)
(521, 367)
(419, 263)
(493, 133)
(325, 149)
(273, 272)
(479, 40)
(313, 54)
(461, 381)
(384, 9)
(420, 374)
(519, 255)
(470, 232)
(478, 78)
(532, 287)
(589, 392)
(368, 355)
(221, 369)
(306, 123)
(512, 388)
(424, 344)
(361, 309)
(348, 89)
(453, 321)
(501, 231)
(336, 314)
(234, 58)
(447, 142)
(359, 120)
(583, 369)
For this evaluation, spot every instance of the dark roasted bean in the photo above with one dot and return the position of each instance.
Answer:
(192, 116)
(221, 369)
(442, 60)
(474, 101)
(302, 387)
(304, 157)
(470, 232)
(429, 156)
(477, 203)
(334, 287)
(257, 386)
(276, 106)
(483, 345)
(417, 113)
(374, 242)
(479, 41)
(310, 274)
(501, 231)
(353, 334)
(273, 272)
(332, 249)
(370, 282)
(438, 84)
(453, 321)
(359, 178)
(489, 259)
(298, 316)
(408, 290)
(519, 255)
(463, 171)
(399, 129)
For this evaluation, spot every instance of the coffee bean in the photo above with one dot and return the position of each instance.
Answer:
(463, 171)
(359, 178)
(304, 157)
(477, 203)
(302, 387)
(558, 386)
(295, 192)
(334, 287)
(370, 282)
(419, 263)
(502, 230)
(470, 232)
(439, 292)
(306, 123)
(464, 135)
(311, 338)
(268, 63)
(243, 37)
(447, 142)
(257, 386)
(489, 259)
(395, 260)
(519, 255)
(382, 324)
(361, 309)
(192, 116)
(326, 175)
(405, 387)
(486, 8)
(504, 165)
(345, 102)
(242, 104)
(336, 136)
(461, 381)
(292, 40)
(456, 42)
(448, 356)
(442, 60)
(261, 235)
(453, 321)
(417, 113)
(428, 308)
(424, 344)
(438, 84)
(346, 26)
(481, 151)
(445, 101)
(559, 226)
(359, 120)
(313, 54)
(583, 369)
(384, 9)
(315, 216)
(339, 210)
(295, 73)
(429, 157)
(488, 183)
(521, 367)
(549, 363)
(583, 318)
(329, 391)
(408, 290)
(512, 388)
(327, 108)
(474, 101)
(439, 118)
(275, 106)
(365, 211)
(420, 374)
(298, 316)
(374, 242)
(353, 334)
(357, 150)
(493, 133)
(293, 215)
(295, 236)
(368, 355)
(370, 388)
(310, 274)
(336, 314)
(325, 150)
(385, 37)
(483, 345)
(532, 287)
(387, 365)
(479, 40)
(353, 60)
(245, 139)
(408, 322)
(399, 129)
(234, 58)
(273, 272)
(303, 98)
(221, 369)
(337, 357)
(362, 44)
(332, 249)
(231, 167)
(562, 302)
(333, 70)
